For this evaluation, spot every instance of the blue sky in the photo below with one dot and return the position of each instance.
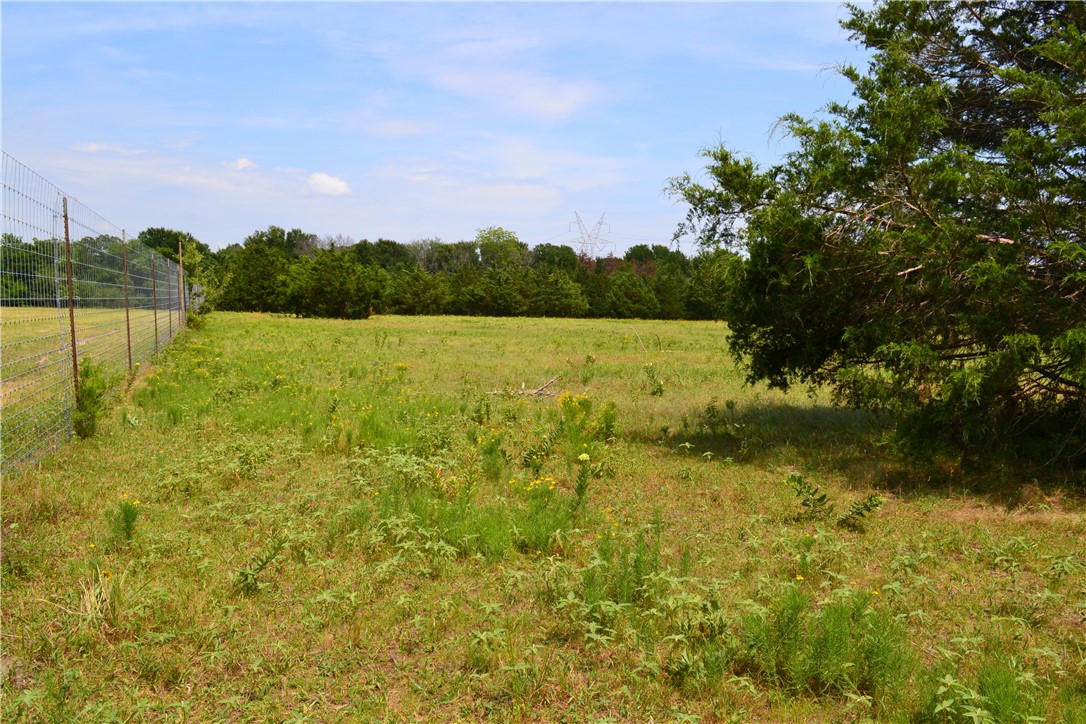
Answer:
(404, 120)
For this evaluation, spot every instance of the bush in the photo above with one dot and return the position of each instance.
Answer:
(195, 320)
(90, 398)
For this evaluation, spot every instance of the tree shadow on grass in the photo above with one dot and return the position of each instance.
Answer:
(857, 445)
(819, 437)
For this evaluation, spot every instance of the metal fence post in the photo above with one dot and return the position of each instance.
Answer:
(127, 316)
(180, 286)
(71, 298)
(169, 297)
(154, 298)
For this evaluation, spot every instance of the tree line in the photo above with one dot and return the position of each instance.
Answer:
(495, 274)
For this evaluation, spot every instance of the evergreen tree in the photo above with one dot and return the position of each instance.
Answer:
(923, 248)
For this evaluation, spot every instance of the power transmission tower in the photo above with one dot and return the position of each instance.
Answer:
(590, 241)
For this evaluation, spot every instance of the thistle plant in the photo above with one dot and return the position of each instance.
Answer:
(247, 580)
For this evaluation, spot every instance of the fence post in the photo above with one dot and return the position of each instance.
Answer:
(127, 317)
(180, 286)
(71, 298)
(169, 298)
(154, 297)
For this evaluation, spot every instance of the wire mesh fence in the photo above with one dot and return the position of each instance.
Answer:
(73, 290)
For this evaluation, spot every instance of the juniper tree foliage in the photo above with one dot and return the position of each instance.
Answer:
(922, 249)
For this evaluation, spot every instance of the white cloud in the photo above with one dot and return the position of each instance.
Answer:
(504, 67)
(113, 148)
(400, 128)
(523, 159)
(241, 164)
(491, 46)
(526, 93)
(325, 185)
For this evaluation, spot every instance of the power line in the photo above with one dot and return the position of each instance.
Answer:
(638, 238)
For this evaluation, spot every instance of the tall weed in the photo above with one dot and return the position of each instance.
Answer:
(90, 399)
(843, 647)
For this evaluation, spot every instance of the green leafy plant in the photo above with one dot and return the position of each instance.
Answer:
(122, 520)
(584, 474)
(247, 580)
(656, 385)
(853, 519)
(816, 503)
(842, 646)
(90, 398)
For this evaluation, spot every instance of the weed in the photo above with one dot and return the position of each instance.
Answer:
(842, 647)
(1065, 566)
(483, 648)
(481, 412)
(247, 580)
(492, 458)
(853, 519)
(815, 502)
(1009, 692)
(536, 454)
(656, 386)
(90, 399)
(102, 597)
(122, 520)
(622, 573)
(588, 369)
(714, 421)
(584, 472)
(537, 527)
(817, 505)
(195, 321)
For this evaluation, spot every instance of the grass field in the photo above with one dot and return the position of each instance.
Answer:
(298, 520)
(36, 391)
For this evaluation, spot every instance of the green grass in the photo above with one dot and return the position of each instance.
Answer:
(344, 521)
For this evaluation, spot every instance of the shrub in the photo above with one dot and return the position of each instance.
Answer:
(195, 320)
(90, 398)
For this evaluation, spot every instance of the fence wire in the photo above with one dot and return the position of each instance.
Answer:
(73, 290)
